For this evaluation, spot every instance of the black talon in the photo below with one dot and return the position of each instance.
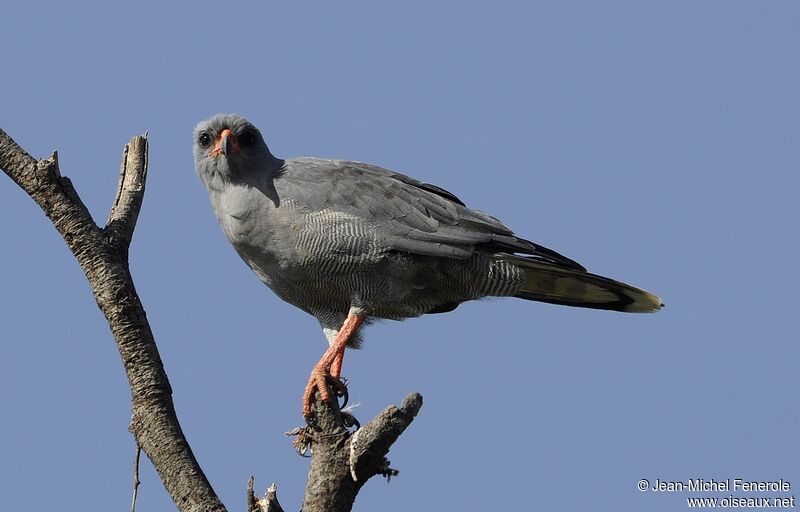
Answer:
(302, 452)
(350, 420)
(311, 421)
(345, 397)
(339, 388)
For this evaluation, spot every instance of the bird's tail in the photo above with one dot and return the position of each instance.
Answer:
(546, 282)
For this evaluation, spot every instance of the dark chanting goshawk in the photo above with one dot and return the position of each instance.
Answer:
(349, 242)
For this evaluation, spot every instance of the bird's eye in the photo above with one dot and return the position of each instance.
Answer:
(248, 138)
(204, 140)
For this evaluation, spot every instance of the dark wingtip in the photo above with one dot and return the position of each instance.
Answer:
(558, 258)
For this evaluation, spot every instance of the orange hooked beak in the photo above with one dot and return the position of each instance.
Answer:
(225, 144)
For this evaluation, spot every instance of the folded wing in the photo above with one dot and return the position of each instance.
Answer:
(410, 215)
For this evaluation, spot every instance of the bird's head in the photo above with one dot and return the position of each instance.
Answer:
(228, 148)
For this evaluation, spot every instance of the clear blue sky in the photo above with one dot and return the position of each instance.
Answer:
(656, 143)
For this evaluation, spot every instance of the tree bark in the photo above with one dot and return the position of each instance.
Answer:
(342, 462)
(103, 255)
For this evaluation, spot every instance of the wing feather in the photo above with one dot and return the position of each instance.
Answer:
(409, 215)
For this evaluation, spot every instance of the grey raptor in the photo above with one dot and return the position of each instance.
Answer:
(348, 242)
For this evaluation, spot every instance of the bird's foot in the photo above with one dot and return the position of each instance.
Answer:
(319, 381)
(303, 441)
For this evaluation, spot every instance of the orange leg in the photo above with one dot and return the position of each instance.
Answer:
(336, 366)
(330, 362)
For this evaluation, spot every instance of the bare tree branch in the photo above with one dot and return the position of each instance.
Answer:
(340, 454)
(136, 481)
(371, 443)
(154, 423)
(269, 503)
(130, 192)
(342, 461)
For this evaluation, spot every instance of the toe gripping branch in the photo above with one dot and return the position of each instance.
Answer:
(320, 423)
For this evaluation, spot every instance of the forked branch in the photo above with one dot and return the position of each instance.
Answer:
(342, 460)
(103, 255)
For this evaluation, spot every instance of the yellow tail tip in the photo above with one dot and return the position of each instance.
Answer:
(645, 302)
